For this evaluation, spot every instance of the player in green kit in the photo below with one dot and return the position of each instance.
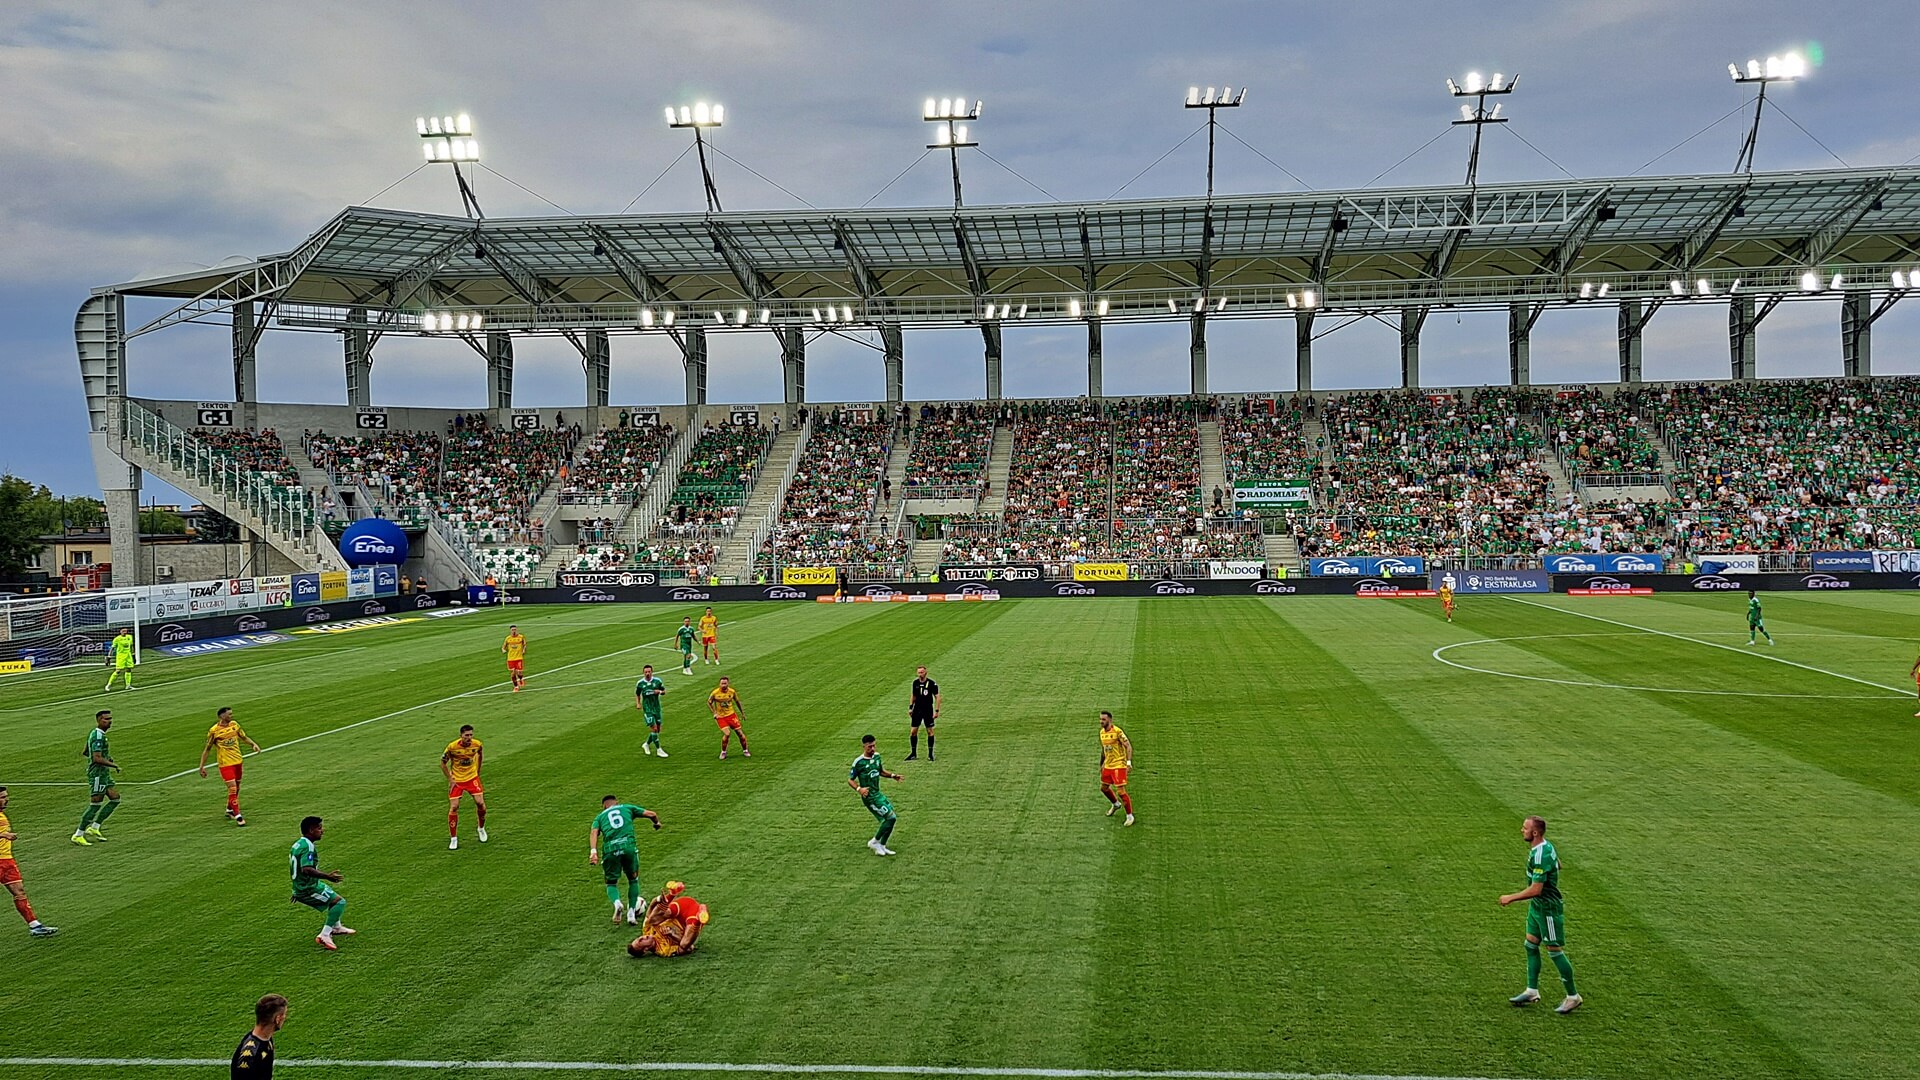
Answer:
(611, 843)
(100, 785)
(646, 697)
(313, 887)
(1546, 922)
(1756, 623)
(686, 635)
(864, 779)
(121, 650)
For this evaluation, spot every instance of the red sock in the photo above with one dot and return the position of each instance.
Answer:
(1126, 800)
(453, 823)
(25, 909)
(1109, 794)
(482, 811)
(233, 800)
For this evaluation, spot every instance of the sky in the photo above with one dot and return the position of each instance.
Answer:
(146, 138)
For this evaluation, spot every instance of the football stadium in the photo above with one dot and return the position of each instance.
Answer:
(1529, 729)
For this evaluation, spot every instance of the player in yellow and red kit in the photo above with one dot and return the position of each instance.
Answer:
(1116, 757)
(461, 763)
(516, 649)
(223, 739)
(10, 875)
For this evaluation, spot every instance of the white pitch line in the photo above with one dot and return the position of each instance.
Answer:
(1713, 645)
(739, 1067)
(1622, 686)
(327, 655)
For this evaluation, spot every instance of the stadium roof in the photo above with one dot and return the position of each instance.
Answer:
(1673, 239)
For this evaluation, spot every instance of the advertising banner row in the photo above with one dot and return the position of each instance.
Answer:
(175, 635)
(200, 599)
(1875, 562)
(1605, 564)
(1359, 566)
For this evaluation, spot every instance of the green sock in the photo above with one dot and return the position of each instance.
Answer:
(633, 898)
(87, 818)
(335, 912)
(886, 830)
(613, 894)
(1566, 971)
(106, 811)
(1533, 966)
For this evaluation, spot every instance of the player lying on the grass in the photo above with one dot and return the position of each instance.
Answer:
(646, 697)
(313, 887)
(223, 738)
(612, 833)
(1546, 918)
(461, 764)
(674, 922)
(10, 875)
(100, 785)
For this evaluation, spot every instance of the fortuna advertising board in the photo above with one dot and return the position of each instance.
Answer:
(808, 575)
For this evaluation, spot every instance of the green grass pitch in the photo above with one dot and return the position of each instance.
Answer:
(1327, 812)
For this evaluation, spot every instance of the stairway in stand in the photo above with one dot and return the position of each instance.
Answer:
(1282, 550)
(1213, 465)
(769, 487)
(999, 464)
(896, 474)
(925, 557)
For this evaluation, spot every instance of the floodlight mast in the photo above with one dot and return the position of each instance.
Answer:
(1788, 68)
(1477, 114)
(449, 140)
(951, 135)
(697, 117)
(1213, 102)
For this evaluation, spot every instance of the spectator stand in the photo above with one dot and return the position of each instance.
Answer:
(831, 496)
(712, 486)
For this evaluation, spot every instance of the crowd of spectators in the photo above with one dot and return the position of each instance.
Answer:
(1597, 432)
(1266, 439)
(397, 467)
(491, 477)
(715, 480)
(255, 451)
(951, 444)
(1060, 485)
(825, 518)
(616, 464)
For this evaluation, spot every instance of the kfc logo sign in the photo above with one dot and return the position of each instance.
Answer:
(785, 592)
(1073, 588)
(1172, 588)
(593, 596)
(1270, 587)
(175, 632)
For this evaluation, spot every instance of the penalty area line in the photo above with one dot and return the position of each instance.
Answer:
(1712, 645)
(736, 1067)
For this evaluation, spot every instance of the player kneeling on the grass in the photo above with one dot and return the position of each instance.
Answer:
(313, 886)
(1116, 757)
(674, 922)
(612, 833)
(223, 738)
(865, 780)
(1546, 919)
(461, 764)
(10, 875)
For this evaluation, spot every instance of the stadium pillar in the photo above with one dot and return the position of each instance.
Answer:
(1096, 379)
(1741, 336)
(245, 386)
(693, 352)
(103, 374)
(359, 359)
(598, 360)
(793, 363)
(1631, 324)
(1856, 335)
(1197, 355)
(499, 370)
(893, 349)
(1520, 343)
(990, 333)
(1411, 319)
(1303, 350)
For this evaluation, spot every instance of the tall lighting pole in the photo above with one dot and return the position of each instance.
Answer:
(1477, 114)
(951, 134)
(697, 117)
(1213, 104)
(449, 140)
(1775, 69)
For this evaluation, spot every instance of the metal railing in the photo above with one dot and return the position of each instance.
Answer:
(768, 520)
(286, 511)
(1620, 479)
(457, 540)
(660, 488)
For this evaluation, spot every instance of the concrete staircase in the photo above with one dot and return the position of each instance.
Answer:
(1282, 550)
(999, 465)
(924, 557)
(1213, 465)
(769, 489)
(310, 551)
(1562, 483)
(896, 474)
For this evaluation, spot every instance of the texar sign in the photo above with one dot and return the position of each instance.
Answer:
(1284, 494)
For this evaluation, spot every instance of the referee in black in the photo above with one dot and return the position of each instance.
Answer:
(923, 708)
(253, 1058)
